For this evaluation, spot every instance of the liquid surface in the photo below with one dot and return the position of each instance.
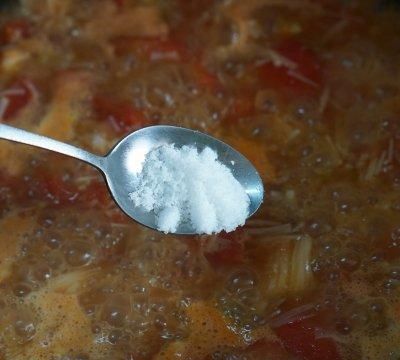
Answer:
(306, 90)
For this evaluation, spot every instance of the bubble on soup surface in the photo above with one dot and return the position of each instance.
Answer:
(78, 254)
(114, 315)
(53, 240)
(25, 329)
(160, 321)
(41, 272)
(394, 273)
(241, 281)
(343, 327)
(90, 301)
(21, 289)
(358, 317)
(114, 336)
(390, 285)
(318, 226)
(46, 220)
(90, 309)
(349, 261)
(96, 329)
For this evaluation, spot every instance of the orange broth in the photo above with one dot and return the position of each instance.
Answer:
(308, 90)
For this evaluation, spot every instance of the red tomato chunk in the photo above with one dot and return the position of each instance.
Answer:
(15, 98)
(120, 115)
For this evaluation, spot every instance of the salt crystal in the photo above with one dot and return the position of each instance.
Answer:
(183, 185)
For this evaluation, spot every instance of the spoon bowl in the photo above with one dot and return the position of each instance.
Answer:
(125, 161)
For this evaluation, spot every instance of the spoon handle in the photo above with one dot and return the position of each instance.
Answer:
(25, 137)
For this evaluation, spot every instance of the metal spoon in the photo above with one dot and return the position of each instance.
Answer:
(125, 160)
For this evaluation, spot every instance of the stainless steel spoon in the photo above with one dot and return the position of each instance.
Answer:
(125, 160)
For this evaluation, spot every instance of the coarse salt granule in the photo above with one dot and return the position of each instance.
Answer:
(183, 185)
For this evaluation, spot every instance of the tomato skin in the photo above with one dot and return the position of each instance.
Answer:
(95, 193)
(175, 51)
(299, 338)
(15, 30)
(50, 189)
(120, 115)
(17, 96)
(204, 78)
(304, 79)
(171, 50)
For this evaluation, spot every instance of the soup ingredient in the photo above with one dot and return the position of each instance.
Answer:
(13, 99)
(185, 185)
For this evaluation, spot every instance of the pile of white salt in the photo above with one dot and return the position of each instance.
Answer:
(182, 185)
